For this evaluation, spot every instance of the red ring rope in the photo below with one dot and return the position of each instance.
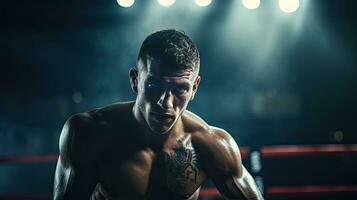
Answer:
(295, 150)
(28, 159)
(311, 189)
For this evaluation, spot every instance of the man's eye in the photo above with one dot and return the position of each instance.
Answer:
(181, 90)
(152, 85)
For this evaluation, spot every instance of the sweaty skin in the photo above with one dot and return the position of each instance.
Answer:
(149, 149)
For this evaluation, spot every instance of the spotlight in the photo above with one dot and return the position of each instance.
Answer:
(251, 4)
(203, 3)
(289, 6)
(126, 3)
(166, 3)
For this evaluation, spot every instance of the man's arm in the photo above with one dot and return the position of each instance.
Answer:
(242, 187)
(75, 176)
(226, 170)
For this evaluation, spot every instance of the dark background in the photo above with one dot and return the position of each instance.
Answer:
(269, 78)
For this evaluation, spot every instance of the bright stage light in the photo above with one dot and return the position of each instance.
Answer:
(251, 4)
(126, 3)
(203, 3)
(166, 3)
(289, 6)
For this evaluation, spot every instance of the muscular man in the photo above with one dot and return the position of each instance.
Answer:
(152, 148)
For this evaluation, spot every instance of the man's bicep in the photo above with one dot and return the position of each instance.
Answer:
(73, 183)
(230, 176)
(62, 176)
(239, 188)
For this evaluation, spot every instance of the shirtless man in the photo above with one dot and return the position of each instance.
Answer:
(151, 148)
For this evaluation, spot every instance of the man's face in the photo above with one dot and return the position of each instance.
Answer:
(163, 93)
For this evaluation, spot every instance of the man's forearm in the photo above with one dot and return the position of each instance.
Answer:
(243, 188)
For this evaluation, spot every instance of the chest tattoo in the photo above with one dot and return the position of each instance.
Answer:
(181, 167)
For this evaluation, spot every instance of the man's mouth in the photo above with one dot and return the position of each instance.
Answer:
(162, 117)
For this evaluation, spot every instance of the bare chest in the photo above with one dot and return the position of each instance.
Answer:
(174, 174)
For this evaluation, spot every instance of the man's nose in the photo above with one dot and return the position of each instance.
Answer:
(166, 100)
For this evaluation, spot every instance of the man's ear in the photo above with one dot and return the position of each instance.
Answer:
(133, 76)
(195, 86)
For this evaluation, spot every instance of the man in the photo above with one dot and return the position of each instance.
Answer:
(152, 148)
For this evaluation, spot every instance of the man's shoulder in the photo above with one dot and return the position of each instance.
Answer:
(74, 138)
(202, 130)
(75, 125)
(87, 123)
(217, 147)
(116, 111)
(84, 131)
(193, 123)
(113, 113)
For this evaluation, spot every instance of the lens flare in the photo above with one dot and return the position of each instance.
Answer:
(166, 3)
(203, 3)
(251, 4)
(126, 3)
(289, 6)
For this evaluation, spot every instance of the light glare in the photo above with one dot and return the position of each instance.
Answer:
(251, 4)
(166, 3)
(126, 3)
(203, 3)
(289, 6)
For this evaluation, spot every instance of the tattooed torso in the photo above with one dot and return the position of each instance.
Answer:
(168, 174)
(181, 168)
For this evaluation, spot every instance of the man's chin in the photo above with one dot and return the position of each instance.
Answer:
(161, 128)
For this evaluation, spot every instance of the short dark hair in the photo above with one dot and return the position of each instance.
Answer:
(173, 48)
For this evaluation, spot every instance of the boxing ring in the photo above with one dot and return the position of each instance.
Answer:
(254, 157)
